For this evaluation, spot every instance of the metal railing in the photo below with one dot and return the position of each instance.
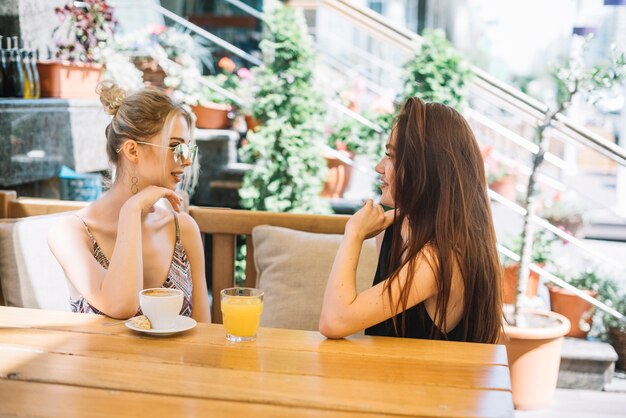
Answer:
(379, 26)
(562, 283)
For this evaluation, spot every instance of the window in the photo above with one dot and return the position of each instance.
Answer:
(377, 5)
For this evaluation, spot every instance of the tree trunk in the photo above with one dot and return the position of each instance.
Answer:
(528, 231)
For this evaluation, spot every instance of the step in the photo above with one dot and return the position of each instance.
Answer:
(220, 174)
(586, 364)
(606, 225)
(606, 231)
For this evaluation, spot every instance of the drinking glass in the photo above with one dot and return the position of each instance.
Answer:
(241, 312)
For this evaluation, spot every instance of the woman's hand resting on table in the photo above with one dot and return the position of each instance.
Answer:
(369, 221)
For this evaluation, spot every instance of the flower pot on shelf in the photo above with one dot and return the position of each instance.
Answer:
(574, 224)
(69, 80)
(212, 116)
(509, 278)
(505, 186)
(577, 310)
(339, 174)
(534, 354)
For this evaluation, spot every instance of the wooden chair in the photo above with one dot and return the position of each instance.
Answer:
(223, 225)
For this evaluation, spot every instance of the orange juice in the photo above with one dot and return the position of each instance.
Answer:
(241, 315)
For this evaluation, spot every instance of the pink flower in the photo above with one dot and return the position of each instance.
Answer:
(359, 85)
(349, 97)
(226, 64)
(156, 29)
(341, 146)
(382, 105)
(245, 74)
(485, 150)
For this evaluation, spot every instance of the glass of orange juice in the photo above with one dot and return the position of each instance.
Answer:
(241, 312)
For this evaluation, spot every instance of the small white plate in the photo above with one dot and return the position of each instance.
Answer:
(183, 323)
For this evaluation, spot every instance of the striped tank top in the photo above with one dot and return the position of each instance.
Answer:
(179, 276)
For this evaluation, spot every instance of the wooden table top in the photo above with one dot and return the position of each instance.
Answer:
(60, 364)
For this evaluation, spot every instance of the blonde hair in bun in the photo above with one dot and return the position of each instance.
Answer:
(111, 96)
(139, 115)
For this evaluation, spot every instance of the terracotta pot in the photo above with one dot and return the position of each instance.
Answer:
(251, 122)
(153, 74)
(618, 340)
(534, 358)
(69, 80)
(213, 116)
(506, 187)
(577, 310)
(338, 179)
(509, 277)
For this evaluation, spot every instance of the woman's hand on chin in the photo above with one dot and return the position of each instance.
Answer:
(369, 221)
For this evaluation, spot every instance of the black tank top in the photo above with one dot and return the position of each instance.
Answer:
(417, 321)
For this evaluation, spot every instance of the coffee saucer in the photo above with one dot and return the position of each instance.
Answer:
(183, 323)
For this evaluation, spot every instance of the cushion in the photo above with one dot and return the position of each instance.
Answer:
(30, 276)
(292, 270)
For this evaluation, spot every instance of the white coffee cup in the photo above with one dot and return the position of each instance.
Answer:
(162, 306)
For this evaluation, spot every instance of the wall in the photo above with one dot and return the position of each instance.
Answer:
(37, 137)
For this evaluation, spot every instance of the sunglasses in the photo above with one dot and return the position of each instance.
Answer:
(182, 151)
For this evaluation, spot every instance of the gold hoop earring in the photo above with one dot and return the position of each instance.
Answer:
(134, 188)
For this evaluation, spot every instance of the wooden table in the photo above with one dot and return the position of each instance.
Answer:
(59, 364)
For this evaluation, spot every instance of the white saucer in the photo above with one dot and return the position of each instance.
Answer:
(183, 323)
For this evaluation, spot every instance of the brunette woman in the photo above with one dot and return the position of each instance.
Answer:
(438, 274)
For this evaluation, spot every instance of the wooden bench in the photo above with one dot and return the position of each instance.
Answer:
(221, 224)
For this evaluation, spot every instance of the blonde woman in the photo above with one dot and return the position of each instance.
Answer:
(123, 242)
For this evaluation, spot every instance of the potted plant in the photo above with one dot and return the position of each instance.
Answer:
(176, 44)
(351, 137)
(212, 109)
(84, 30)
(502, 181)
(534, 338)
(246, 90)
(165, 56)
(589, 279)
(567, 212)
(542, 250)
(500, 177)
(288, 168)
(212, 98)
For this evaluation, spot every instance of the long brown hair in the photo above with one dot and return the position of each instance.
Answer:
(440, 193)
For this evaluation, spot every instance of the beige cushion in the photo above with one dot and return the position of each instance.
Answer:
(292, 270)
(30, 276)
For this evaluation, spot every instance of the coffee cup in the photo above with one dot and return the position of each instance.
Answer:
(162, 306)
